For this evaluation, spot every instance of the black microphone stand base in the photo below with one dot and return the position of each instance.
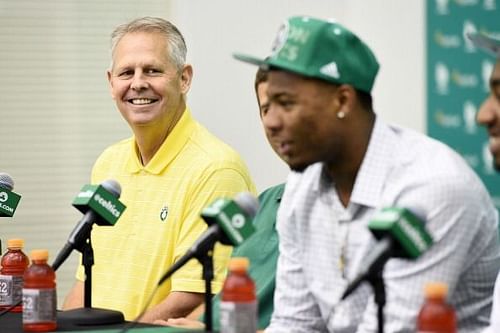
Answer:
(90, 316)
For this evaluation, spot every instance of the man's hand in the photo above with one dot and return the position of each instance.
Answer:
(177, 304)
(184, 323)
(181, 322)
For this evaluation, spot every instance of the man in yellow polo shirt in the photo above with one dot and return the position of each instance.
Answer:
(169, 170)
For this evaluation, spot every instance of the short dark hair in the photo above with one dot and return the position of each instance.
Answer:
(260, 76)
(365, 99)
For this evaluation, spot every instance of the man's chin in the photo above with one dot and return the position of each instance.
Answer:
(299, 163)
(299, 166)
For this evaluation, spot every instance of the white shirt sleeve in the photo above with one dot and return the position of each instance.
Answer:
(465, 252)
(295, 310)
(495, 312)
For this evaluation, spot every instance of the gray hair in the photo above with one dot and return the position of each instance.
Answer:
(175, 41)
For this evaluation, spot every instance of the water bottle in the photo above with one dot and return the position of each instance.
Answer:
(39, 294)
(14, 263)
(238, 307)
(436, 316)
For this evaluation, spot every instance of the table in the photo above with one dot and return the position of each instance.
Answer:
(12, 323)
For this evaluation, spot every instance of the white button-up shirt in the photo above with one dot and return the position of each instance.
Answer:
(323, 243)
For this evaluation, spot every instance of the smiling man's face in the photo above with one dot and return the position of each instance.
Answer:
(146, 86)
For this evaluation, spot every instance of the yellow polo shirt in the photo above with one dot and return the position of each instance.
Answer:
(162, 220)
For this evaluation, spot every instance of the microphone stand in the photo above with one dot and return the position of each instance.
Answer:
(88, 262)
(204, 254)
(88, 315)
(373, 274)
(377, 283)
(206, 260)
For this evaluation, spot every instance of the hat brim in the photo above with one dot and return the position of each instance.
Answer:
(484, 42)
(249, 59)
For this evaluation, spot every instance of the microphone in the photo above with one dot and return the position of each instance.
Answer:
(8, 199)
(100, 205)
(229, 222)
(400, 234)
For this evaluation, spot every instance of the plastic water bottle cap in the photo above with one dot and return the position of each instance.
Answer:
(39, 254)
(239, 264)
(15, 243)
(436, 290)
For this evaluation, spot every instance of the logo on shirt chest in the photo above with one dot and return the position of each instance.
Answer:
(164, 213)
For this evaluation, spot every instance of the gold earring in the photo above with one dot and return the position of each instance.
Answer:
(340, 115)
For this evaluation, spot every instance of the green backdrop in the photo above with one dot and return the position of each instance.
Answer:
(457, 80)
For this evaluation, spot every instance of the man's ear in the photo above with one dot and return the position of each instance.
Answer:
(110, 82)
(186, 78)
(345, 98)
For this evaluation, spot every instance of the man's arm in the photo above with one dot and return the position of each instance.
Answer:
(294, 306)
(177, 304)
(495, 311)
(462, 221)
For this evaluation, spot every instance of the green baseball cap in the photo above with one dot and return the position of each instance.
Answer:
(320, 49)
(487, 43)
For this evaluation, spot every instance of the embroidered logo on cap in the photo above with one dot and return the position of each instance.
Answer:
(330, 70)
(280, 39)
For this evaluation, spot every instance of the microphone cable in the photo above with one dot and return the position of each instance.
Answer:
(4, 311)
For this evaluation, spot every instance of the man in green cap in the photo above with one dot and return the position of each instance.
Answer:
(489, 116)
(347, 165)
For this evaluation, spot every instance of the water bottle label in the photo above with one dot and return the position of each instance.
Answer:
(238, 317)
(39, 305)
(11, 289)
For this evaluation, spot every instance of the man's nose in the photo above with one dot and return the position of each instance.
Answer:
(488, 112)
(139, 82)
(273, 119)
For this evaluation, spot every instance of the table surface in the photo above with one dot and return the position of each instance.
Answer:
(12, 323)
